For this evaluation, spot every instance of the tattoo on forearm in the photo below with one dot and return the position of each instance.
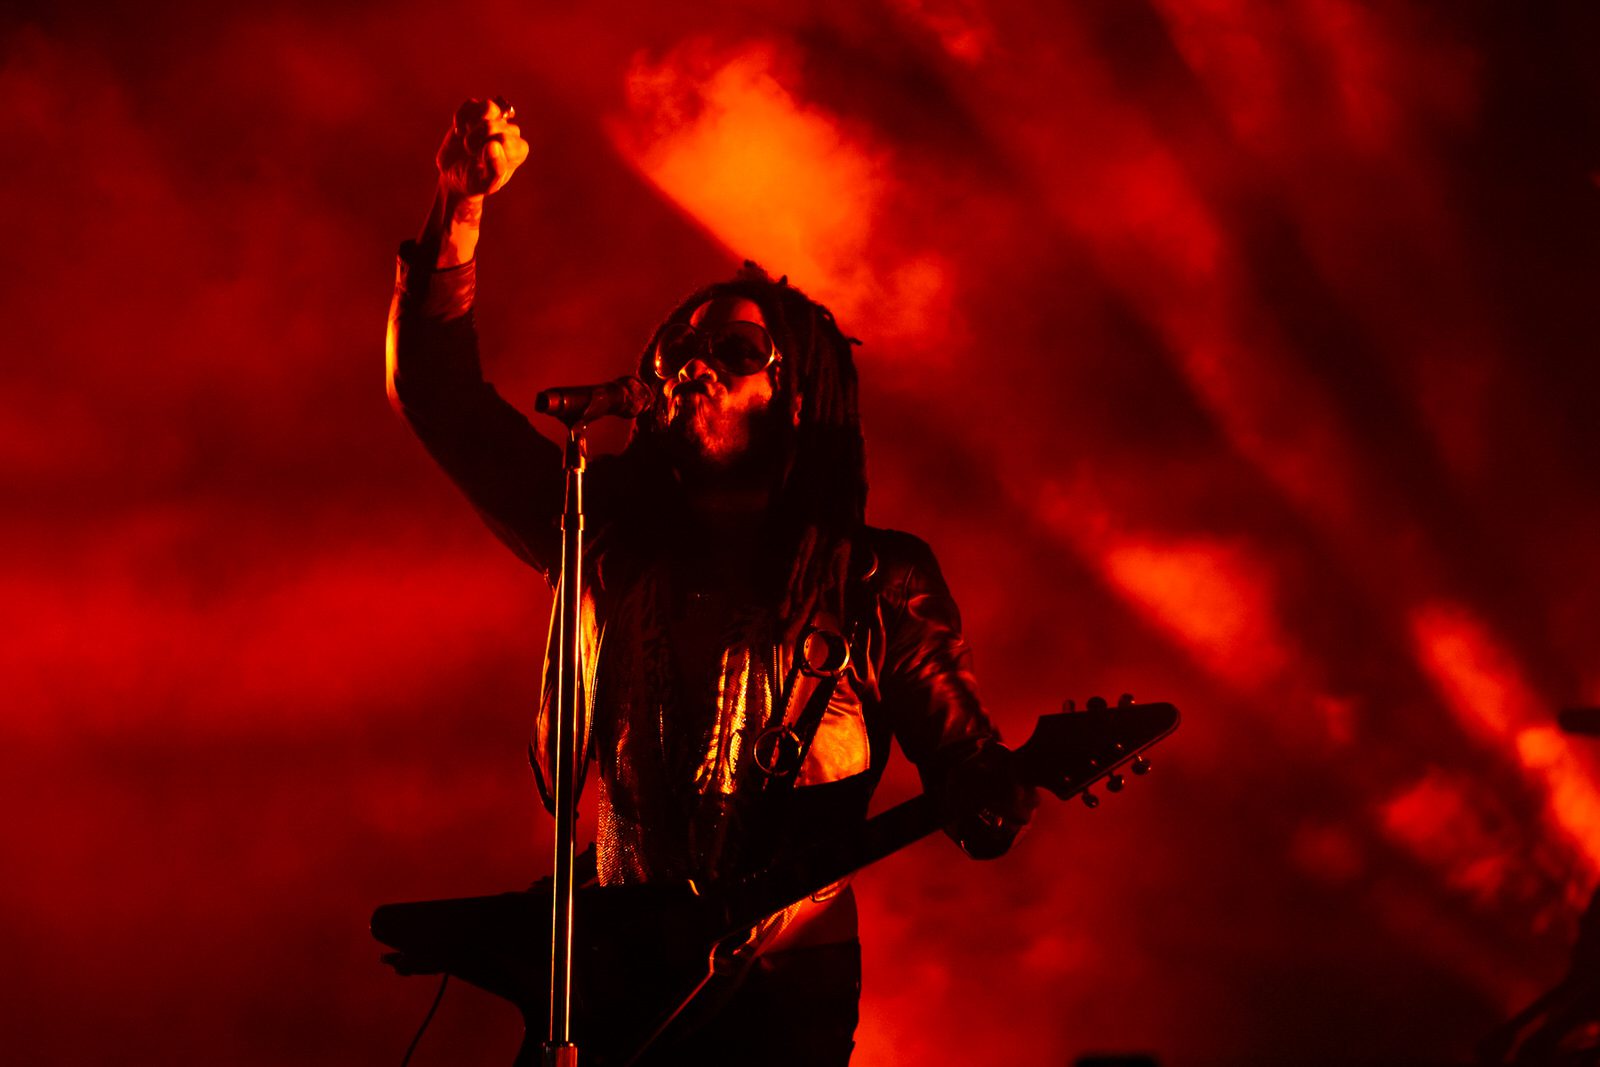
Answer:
(468, 211)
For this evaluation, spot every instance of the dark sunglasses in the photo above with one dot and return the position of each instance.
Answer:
(737, 347)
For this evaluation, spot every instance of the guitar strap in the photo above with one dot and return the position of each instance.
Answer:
(780, 749)
(821, 657)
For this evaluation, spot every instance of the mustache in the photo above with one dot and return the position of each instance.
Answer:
(683, 391)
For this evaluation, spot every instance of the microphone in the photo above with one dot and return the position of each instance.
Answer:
(575, 405)
(1584, 721)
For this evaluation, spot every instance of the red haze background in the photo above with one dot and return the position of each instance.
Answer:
(1235, 353)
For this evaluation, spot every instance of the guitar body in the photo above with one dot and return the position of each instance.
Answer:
(651, 962)
(653, 965)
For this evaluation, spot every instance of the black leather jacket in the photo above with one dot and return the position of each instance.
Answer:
(665, 813)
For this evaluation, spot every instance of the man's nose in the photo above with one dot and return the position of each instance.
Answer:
(698, 368)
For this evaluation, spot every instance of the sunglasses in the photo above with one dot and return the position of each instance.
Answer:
(737, 347)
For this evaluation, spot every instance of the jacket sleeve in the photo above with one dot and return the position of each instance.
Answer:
(509, 471)
(929, 690)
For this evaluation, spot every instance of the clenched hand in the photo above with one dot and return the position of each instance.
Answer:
(482, 150)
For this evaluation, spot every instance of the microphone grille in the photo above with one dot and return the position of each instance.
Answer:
(638, 397)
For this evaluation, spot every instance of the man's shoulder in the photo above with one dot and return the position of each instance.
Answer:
(897, 544)
(900, 558)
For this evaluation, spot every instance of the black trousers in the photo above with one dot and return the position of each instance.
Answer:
(797, 1008)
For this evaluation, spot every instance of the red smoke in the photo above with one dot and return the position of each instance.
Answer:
(1230, 353)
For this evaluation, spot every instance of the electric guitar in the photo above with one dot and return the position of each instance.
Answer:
(652, 959)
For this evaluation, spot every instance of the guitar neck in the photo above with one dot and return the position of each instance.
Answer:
(753, 898)
(1067, 752)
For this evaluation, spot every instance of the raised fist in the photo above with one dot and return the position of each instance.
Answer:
(482, 149)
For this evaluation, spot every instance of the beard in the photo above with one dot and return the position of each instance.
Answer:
(711, 444)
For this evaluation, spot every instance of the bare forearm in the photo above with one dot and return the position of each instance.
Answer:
(452, 228)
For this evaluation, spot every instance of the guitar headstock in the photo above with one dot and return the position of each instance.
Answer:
(1071, 750)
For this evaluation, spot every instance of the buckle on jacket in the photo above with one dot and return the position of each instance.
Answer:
(777, 751)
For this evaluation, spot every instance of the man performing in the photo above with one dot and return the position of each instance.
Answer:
(730, 526)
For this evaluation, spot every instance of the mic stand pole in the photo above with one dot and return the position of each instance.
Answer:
(559, 1050)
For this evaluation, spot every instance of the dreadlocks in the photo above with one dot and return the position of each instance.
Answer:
(823, 495)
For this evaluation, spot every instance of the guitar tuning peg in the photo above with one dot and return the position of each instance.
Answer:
(1097, 703)
(1069, 705)
(1140, 765)
(1125, 700)
(1114, 783)
(1090, 800)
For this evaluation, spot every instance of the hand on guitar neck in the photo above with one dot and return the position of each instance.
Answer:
(986, 803)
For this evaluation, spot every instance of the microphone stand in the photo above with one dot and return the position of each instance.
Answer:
(559, 1050)
(576, 407)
